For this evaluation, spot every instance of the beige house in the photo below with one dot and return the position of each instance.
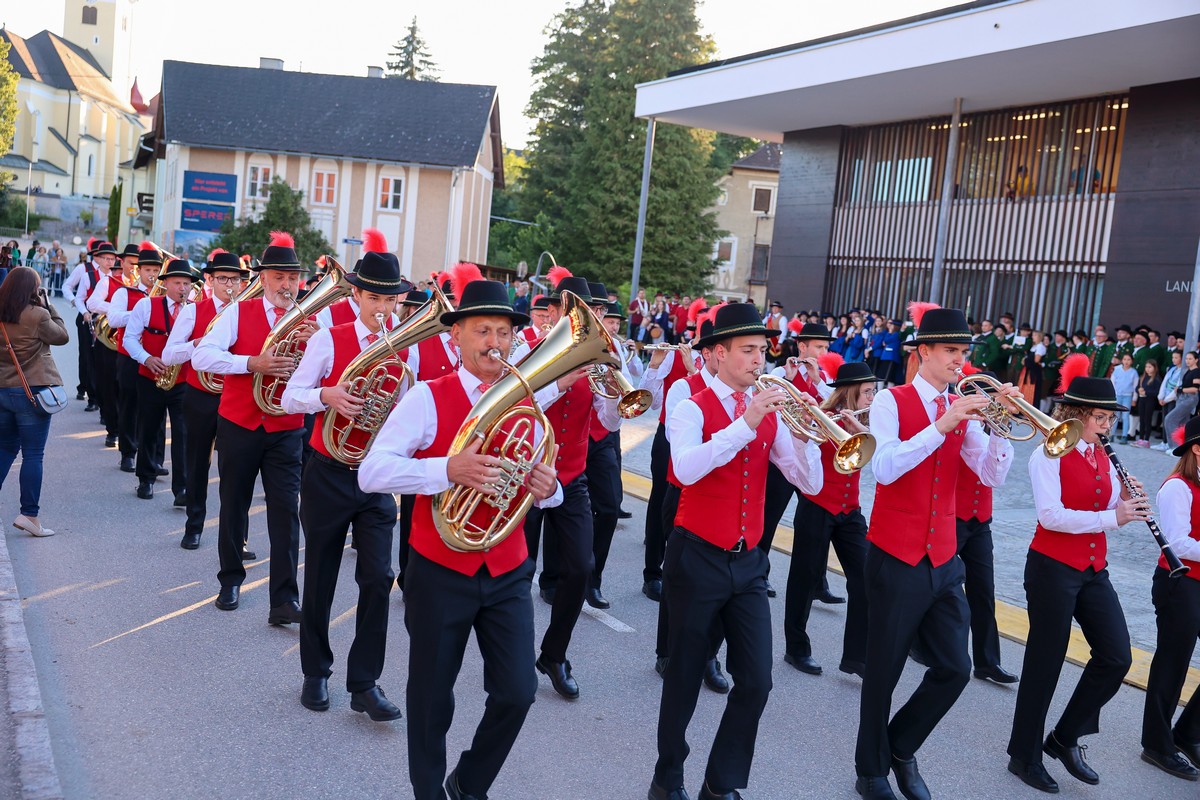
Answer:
(746, 209)
(417, 160)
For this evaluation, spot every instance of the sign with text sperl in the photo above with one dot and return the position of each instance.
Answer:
(204, 216)
(212, 187)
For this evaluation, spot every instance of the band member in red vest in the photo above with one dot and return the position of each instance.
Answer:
(251, 443)
(447, 592)
(438, 355)
(77, 289)
(104, 361)
(1177, 614)
(539, 316)
(721, 441)
(833, 516)
(1078, 497)
(333, 503)
(123, 299)
(914, 580)
(346, 310)
(200, 406)
(145, 338)
(413, 300)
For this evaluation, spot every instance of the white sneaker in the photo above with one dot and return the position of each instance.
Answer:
(23, 523)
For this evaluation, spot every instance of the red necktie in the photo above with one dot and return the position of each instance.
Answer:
(739, 404)
(174, 313)
(940, 402)
(483, 387)
(1090, 455)
(279, 312)
(454, 350)
(372, 338)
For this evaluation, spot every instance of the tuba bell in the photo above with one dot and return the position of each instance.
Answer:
(372, 379)
(268, 389)
(167, 379)
(611, 384)
(852, 451)
(211, 381)
(1061, 437)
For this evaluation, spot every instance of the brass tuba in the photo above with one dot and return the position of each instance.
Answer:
(212, 381)
(611, 384)
(852, 451)
(1061, 437)
(504, 419)
(371, 380)
(268, 389)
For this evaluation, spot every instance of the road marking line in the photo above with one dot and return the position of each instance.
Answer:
(84, 435)
(52, 593)
(607, 619)
(212, 523)
(339, 619)
(177, 588)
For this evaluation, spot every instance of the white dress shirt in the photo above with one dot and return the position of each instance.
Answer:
(1047, 495)
(693, 458)
(1175, 518)
(179, 349)
(680, 391)
(212, 353)
(990, 457)
(412, 426)
(653, 377)
(76, 288)
(139, 318)
(302, 394)
(95, 302)
(823, 388)
(118, 309)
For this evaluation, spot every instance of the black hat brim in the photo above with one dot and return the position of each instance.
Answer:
(952, 338)
(1179, 452)
(379, 287)
(729, 333)
(261, 267)
(1104, 405)
(451, 317)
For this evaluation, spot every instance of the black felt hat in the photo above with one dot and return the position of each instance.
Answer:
(103, 248)
(936, 325)
(148, 253)
(1125, 328)
(378, 270)
(177, 268)
(1092, 393)
(776, 304)
(614, 311)
(280, 254)
(1190, 436)
(854, 372)
(577, 286)
(541, 302)
(598, 292)
(813, 331)
(415, 297)
(131, 251)
(225, 262)
(478, 297)
(735, 319)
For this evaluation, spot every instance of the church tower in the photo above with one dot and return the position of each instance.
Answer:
(103, 28)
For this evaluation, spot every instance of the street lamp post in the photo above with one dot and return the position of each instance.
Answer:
(28, 187)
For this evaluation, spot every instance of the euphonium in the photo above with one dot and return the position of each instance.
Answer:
(212, 381)
(852, 451)
(372, 380)
(106, 334)
(167, 379)
(1061, 437)
(268, 389)
(505, 418)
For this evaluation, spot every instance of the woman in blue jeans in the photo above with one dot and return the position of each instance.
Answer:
(30, 325)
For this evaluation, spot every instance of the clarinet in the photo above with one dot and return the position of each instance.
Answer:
(1174, 566)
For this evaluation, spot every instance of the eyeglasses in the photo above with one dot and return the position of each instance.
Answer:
(225, 279)
(1103, 419)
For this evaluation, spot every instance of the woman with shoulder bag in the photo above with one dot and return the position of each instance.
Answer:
(30, 325)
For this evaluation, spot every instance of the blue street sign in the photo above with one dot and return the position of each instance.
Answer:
(352, 241)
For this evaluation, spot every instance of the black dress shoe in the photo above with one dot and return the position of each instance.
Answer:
(829, 598)
(285, 614)
(315, 694)
(190, 541)
(996, 674)
(1190, 750)
(623, 514)
(874, 788)
(852, 667)
(908, 779)
(375, 703)
(771, 590)
(658, 793)
(110, 441)
(1034, 775)
(1072, 758)
(127, 464)
(248, 555)
(162, 472)
(80, 396)
(660, 665)
(715, 679)
(227, 598)
(547, 595)
(145, 490)
(180, 500)
(1172, 764)
(653, 589)
(559, 673)
(92, 407)
(596, 600)
(454, 791)
(711, 794)
(803, 663)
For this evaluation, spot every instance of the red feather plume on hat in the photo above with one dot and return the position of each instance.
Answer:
(461, 274)
(91, 243)
(281, 239)
(970, 369)
(694, 310)
(916, 311)
(1178, 435)
(321, 261)
(374, 241)
(1076, 365)
(147, 245)
(795, 326)
(216, 253)
(556, 274)
(710, 315)
(830, 362)
(538, 297)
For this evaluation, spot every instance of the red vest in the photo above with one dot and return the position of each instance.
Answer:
(727, 503)
(452, 409)
(839, 493)
(206, 312)
(531, 335)
(1083, 488)
(571, 420)
(696, 384)
(237, 398)
(113, 286)
(677, 372)
(913, 516)
(341, 312)
(154, 335)
(801, 383)
(1194, 532)
(93, 275)
(972, 500)
(434, 361)
(132, 296)
(345, 349)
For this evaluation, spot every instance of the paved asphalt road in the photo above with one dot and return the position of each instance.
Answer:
(150, 692)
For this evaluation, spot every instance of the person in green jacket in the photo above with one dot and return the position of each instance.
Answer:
(1157, 351)
(1141, 352)
(1124, 343)
(1102, 353)
(1056, 352)
(983, 349)
(998, 351)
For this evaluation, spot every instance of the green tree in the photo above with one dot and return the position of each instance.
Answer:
(410, 57)
(728, 148)
(114, 213)
(8, 100)
(502, 233)
(284, 211)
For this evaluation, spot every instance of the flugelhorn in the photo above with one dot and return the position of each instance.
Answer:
(1061, 437)
(852, 451)
(268, 389)
(504, 419)
(373, 378)
(212, 381)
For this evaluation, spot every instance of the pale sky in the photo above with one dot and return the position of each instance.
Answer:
(472, 41)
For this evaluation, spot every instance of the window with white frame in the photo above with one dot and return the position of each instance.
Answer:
(391, 193)
(725, 250)
(324, 188)
(258, 181)
(764, 196)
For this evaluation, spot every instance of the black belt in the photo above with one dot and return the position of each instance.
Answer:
(333, 462)
(736, 550)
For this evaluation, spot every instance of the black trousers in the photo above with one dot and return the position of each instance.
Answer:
(1177, 612)
(127, 376)
(779, 494)
(407, 501)
(332, 503)
(84, 342)
(1055, 593)
(441, 608)
(907, 604)
(656, 534)
(243, 455)
(709, 584)
(569, 527)
(104, 379)
(153, 406)
(200, 415)
(604, 491)
(975, 550)
(816, 529)
(670, 506)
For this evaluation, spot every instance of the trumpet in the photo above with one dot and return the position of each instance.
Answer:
(852, 451)
(611, 384)
(212, 381)
(1061, 437)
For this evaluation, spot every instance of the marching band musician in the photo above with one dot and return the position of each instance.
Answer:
(1078, 497)
(146, 331)
(413, 300)
(249, 442)
(104, 360)
(120, 296)
(225, 273)
(832, 516)
(448, 593)
(438, 355)
(1177, 613)
(713, 568)
(333, 503)
(347, 310)
(539, 315)
(914, 581)
(77, 289)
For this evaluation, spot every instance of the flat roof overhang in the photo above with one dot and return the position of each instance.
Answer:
(1015, 53)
